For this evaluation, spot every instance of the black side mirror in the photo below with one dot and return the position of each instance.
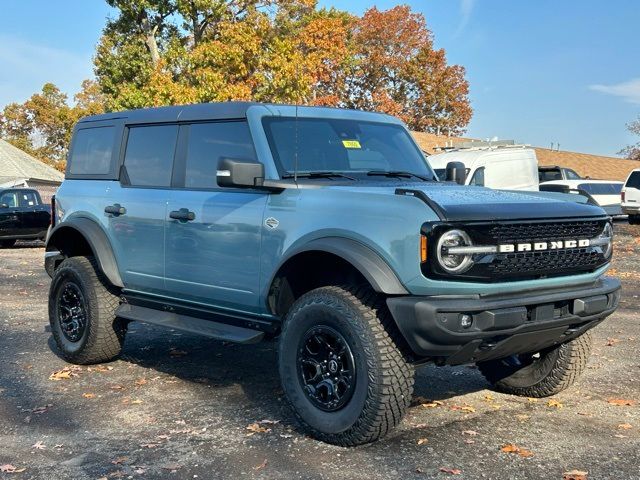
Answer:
(235, 173)
(456, 172)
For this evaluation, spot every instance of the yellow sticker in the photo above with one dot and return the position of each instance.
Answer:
(351, 144)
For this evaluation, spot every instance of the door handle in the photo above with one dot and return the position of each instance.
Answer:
(184, 215)
(115, 209)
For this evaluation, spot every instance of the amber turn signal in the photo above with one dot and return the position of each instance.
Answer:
(423, 248)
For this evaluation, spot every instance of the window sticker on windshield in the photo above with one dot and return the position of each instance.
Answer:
(351, 144)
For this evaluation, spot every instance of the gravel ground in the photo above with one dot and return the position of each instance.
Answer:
(178, 406)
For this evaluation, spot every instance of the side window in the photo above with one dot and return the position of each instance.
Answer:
(478, 178)
(634, 181)
(92, 149)
(28, 199)
(211, 142)
(10, 199)
(148, 159)
(571, 174)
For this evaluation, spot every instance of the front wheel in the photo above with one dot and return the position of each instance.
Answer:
(340, 368)
(539, 374)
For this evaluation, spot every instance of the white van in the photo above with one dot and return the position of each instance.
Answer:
(507, 167)
(631, 197)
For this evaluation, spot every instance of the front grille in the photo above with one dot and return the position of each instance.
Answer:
(500, 267)
(548, 262)
(512, 232)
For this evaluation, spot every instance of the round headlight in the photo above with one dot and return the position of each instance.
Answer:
(607, 234)
(454, 262)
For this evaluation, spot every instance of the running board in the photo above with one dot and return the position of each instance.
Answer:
(185, 323)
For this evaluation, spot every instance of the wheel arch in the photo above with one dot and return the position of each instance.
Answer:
(348, 257)
(82, 236)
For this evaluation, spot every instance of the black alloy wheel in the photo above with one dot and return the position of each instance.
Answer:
(326, 368)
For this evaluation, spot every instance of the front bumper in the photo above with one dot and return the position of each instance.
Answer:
(502, 324)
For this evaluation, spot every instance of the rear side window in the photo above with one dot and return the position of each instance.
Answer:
(478, 178)
(601, 188)
(149, 155)
(634, 180)
(92, 151)
(571, 174)
(549, 175)
(211, 142)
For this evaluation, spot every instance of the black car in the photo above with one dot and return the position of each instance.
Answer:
(23, 216)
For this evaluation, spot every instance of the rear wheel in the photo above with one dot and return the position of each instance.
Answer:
(540, 374)
(82, 308)
(7, 243)
(342, 372)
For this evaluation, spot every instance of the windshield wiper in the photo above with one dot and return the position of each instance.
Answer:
(317, 175)
(396, 173)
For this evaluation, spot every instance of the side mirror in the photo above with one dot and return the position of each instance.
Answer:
(236, 173)
(456, 172)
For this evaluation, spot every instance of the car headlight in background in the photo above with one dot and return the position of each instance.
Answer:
(451, 253)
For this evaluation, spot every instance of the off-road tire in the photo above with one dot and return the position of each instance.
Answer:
(7, 243)
(104, 334)
(557, 369)
(384, 379)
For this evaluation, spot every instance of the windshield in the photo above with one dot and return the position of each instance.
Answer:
(356, 149)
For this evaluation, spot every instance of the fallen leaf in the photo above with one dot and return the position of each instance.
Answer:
(433, 404)
(621, 402)
(119, 460)
(532, 400)
(116, 387)
(575, 475)
(39, 446)
(89, 395)
(511, 448)
(611, 342)
(269, 422)
(256, 428)
(625, 426)
(64, 374)
(261, 466)
(8, 468)
(522, 417)
(149, 445)
(554, 404)
(451, 471)
(422, 441)
(136, 402)
(141, 381)
(473, 433)
(464, 408)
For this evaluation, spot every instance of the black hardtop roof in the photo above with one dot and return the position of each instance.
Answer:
(199, 111)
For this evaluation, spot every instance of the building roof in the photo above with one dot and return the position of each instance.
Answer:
(587, 165)
(18, 165)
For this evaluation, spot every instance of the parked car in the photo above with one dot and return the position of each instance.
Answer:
(631, 197)
(327, 228)
(508, 167)
(548, 173)
(23, 216)
(605, 193)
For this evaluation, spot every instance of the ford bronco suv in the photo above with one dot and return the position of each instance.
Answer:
(328, 229)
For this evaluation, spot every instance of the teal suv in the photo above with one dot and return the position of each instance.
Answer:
(328, 230)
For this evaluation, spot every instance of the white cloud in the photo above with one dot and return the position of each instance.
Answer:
(26, 66)
(466, 9)
(629, 90)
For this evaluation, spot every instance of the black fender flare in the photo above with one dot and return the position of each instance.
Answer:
(371, 265)
(97, 240)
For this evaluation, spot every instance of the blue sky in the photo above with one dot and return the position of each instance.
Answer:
(540, 71)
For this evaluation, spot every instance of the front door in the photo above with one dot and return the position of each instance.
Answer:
(10, 215)
(213, 234)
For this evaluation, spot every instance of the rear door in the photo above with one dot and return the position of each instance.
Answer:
(214, 258)
(137, 233)
(632, 190)
(10, 215)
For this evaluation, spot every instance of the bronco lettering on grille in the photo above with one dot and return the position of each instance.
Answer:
(542, 246)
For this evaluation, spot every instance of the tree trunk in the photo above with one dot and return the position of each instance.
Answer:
(150, 41)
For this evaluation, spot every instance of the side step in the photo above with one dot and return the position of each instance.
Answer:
(185, 323)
